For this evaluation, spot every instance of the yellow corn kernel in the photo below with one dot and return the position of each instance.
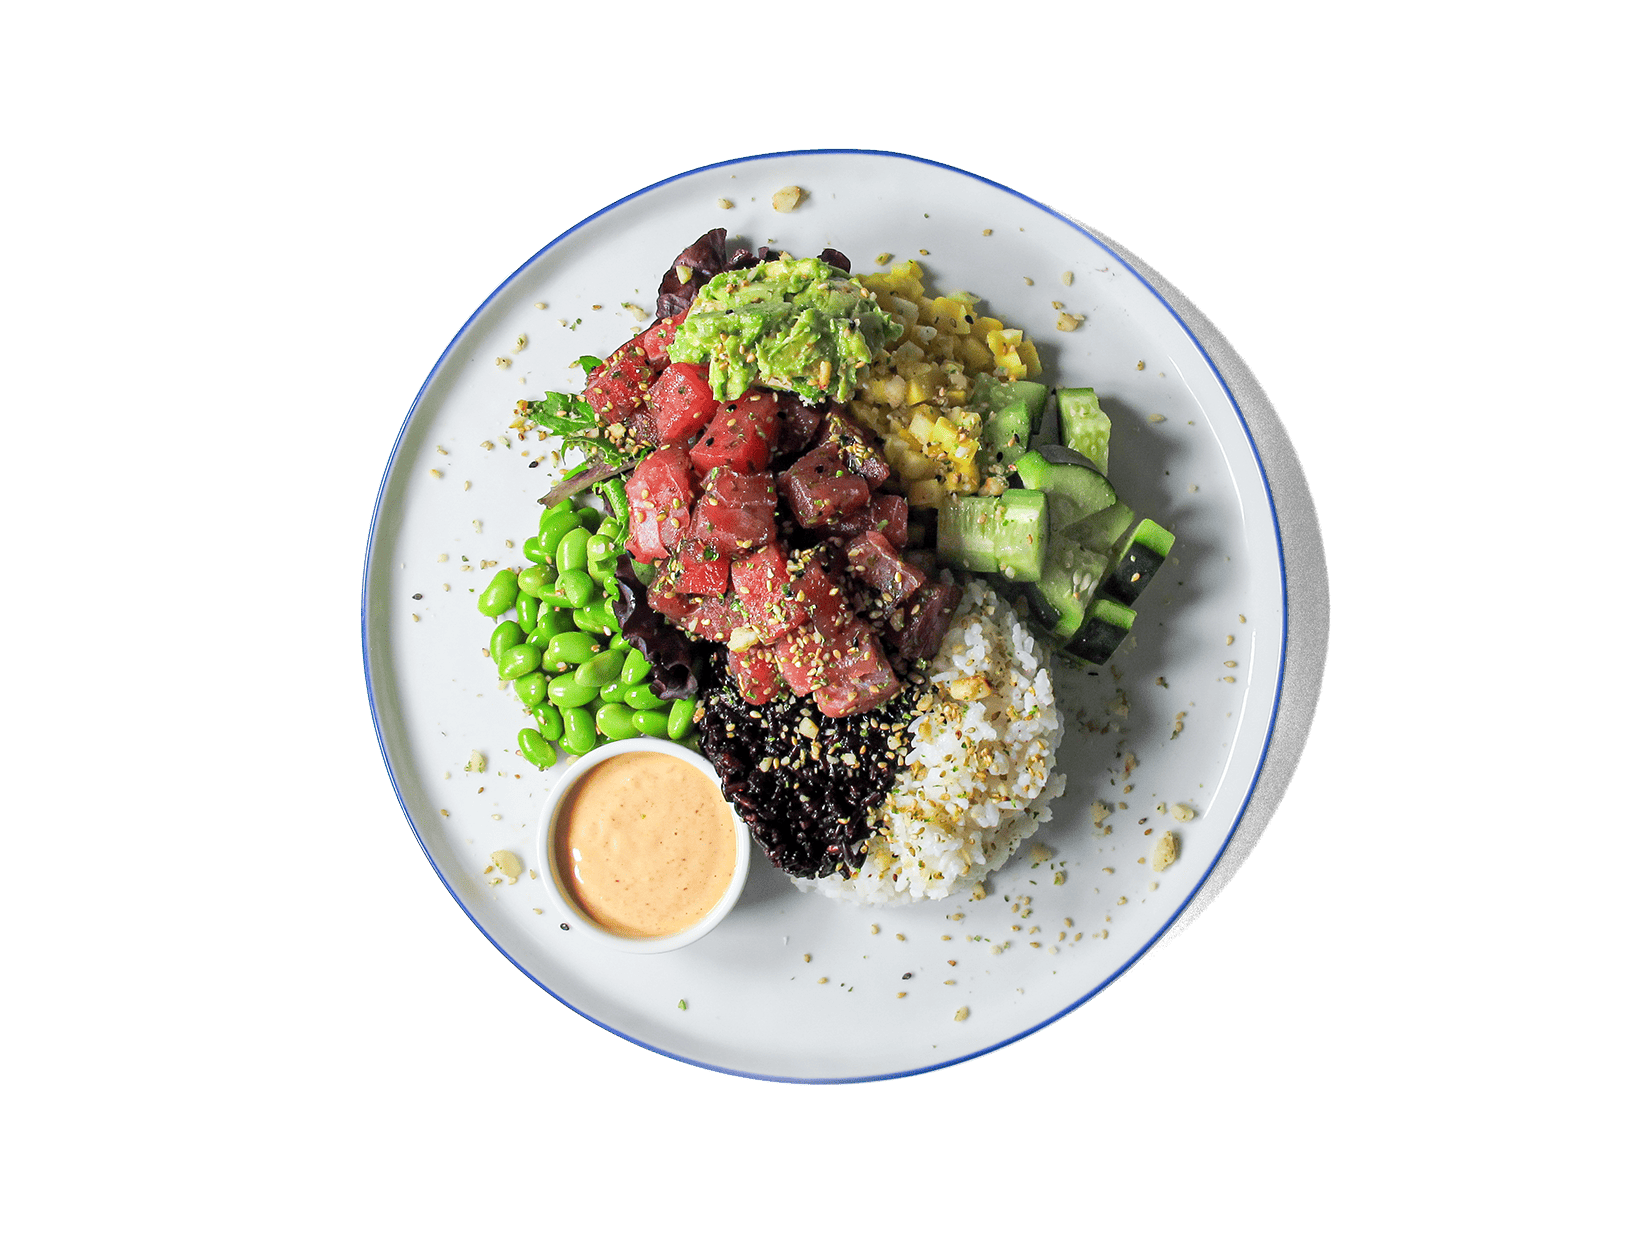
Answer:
(924, 493)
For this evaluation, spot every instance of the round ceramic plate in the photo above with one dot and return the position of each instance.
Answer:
(1173, 734)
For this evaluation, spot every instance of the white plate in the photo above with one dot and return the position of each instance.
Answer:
(793, 986)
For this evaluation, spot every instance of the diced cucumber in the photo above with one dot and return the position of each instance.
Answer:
(1022, 534)
(1085, 425)
(1060, 599)
(1137, 560)
(1011, 412)
(1076, 489)
(1006, 535)
(1105, 628)
(966, 533)
(1100, 532)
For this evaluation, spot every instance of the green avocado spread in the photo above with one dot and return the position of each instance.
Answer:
(791, 324)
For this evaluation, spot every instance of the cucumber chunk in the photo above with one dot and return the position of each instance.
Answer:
(1137, 560)
(1085, 425)
(1077, 491)
(1066, 587)
(1011, 411)
(1100, 636)
(996, 535)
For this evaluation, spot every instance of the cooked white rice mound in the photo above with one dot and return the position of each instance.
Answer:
(980, 772)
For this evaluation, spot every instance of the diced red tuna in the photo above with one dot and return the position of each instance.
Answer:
(703, 569)
(715, 618)
(617, 389)
(740, 436)
(736, 512)
(762, 583)
(681, 403)
(919, 625)
(874, 560)
(887, 514)
(755, 671)
(659, 503)
(855, 445)
(796, 423)
(799, 659)
(665, 597)
(857, 674)
(823, 595)
(819, 486)
(655, 340)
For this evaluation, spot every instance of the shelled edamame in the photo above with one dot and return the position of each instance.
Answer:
(581, 681)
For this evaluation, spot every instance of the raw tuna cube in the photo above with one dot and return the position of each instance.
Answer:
(857, 674)
(855, 446)
(659, 503)
(703, 569)
(740, 436)
(618, 387)
(762, 583)
(819, 486)
(681, 403)
(715, 618)
(655, 341)
(736, 512)
(876, 562)
(887, 514)
(856, 698)
(665, 597)
(823, 595)
(796, 424)
(799, 658)
(755, 670)
(922, 621)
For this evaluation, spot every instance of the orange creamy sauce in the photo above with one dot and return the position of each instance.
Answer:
(646, 845)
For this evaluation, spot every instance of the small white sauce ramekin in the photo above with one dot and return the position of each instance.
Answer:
(554, 877)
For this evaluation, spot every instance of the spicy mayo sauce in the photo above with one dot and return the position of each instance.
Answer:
(646, 845)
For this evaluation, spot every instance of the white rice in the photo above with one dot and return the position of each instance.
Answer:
(980, 773)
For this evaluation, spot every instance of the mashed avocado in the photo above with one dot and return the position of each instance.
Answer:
(798, 325)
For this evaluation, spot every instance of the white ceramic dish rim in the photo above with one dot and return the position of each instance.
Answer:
(554, 884)
(1267, 739)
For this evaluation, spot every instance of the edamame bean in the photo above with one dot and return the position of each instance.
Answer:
(549, 723)
(533, 550)
(563, 506)
(641, 698)
(557, 620)
(506, 634)
(564, 691)
(591, 517)
(572, 553)
(602, 670)
(533, 580)
(580, 735)
(636, 668)
(500, 593)
(554, 530)
(610, 528)
(615, 721)
(540, 637)
(576, 587)
(603, 571)
(535, 748)
(679, 718)
(619, 643)
(599, 547)
(592, 620)
(518, 661)
(650, 723)
(528, 607)
(572, 647)
(532, 688)
(612, 692)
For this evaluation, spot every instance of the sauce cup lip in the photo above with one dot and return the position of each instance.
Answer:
(554, 884)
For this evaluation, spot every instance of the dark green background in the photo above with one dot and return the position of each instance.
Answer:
(240, 999)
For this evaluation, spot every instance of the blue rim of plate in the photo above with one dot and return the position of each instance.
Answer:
(1279, 684)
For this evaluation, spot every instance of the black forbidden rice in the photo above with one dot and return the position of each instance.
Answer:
(806, 804)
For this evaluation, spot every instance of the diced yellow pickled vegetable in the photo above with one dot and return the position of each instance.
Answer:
(924, 493)
(922, 424)
(1030, 357)
(928, 315)
(923, 387)
(975, 355)
(982, 325)
(949, 315)
(905, 279)
(944, 435)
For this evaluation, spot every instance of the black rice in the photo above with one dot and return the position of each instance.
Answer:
(804, 783)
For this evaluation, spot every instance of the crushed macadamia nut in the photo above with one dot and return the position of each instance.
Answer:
(787, 199)
(506, 862)
(1165, 851)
